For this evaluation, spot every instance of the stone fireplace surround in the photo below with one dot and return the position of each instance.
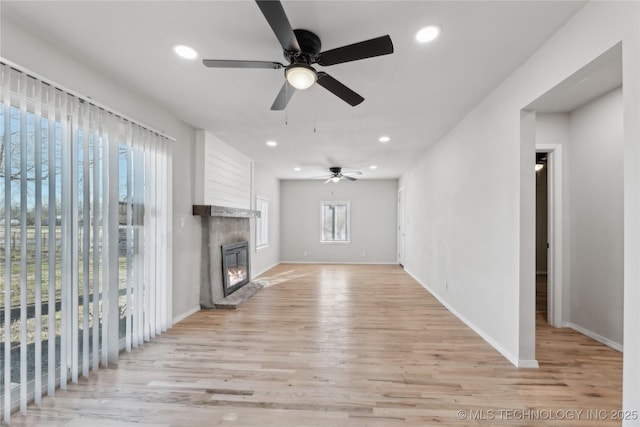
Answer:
(220, 226)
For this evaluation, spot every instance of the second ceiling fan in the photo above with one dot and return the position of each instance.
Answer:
(336, 175)
(301, 48)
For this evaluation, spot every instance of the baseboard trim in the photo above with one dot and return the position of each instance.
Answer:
(188, 313)
(475, 328)
(265, 270)
(339, 262)
(528, 363)
(584, 331)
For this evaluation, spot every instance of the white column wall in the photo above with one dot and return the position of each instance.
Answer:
(268, 186)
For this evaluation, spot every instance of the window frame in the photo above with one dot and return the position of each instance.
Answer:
(345, 203)
(262, 223)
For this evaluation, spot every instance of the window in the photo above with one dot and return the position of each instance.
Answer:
(335, 222)
(262, 223)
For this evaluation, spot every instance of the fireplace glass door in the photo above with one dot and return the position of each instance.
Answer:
(235, 266)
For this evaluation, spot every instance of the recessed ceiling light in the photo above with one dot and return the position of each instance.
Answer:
(373, 167)
(384, 139)
(272, 143)
(185, 52)
(428, 34)
(297, 169)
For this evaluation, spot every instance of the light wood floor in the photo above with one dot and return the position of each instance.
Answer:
(339, 346)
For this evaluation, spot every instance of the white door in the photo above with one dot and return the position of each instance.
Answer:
(401, 226)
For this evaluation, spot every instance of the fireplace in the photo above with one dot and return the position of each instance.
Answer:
(222, 227)
(235, 266)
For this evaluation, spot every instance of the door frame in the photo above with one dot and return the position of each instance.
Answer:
(554, 233)
(402, 204)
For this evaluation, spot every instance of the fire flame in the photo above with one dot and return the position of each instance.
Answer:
(236, 275)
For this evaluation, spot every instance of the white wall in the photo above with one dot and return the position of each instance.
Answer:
(596, 200)
(373, 221)
(552, 128)
(25, 49)
(268, 186)
(464, 196)
(596, 218)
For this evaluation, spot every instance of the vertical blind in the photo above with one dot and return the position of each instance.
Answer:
(85, 246)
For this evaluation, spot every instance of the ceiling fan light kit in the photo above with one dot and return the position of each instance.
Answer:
(301, 76)
(301, 48)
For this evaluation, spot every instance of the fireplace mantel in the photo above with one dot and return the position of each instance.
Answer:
(221, 211)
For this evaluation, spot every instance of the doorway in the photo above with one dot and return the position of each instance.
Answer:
(401, 226)
(549, 234)
(582, 117)
(542, 238)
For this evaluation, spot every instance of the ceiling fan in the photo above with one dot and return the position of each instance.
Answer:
(336, 175)
(301, 48)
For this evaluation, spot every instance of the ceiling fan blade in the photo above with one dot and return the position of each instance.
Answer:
(277, 19)
(353, 52)
(338, 89)
(229, 63)
(284, 96)
(350, 178)
(327, 181)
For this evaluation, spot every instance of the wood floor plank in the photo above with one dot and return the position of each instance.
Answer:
(340, 345)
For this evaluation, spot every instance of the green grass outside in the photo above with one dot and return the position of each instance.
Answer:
(16, 277)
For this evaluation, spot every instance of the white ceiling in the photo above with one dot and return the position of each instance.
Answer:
(414, 95)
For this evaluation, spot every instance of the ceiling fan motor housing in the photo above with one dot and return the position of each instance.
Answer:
(309, 48)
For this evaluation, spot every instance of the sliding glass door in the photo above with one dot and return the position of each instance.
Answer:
(84, 236)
